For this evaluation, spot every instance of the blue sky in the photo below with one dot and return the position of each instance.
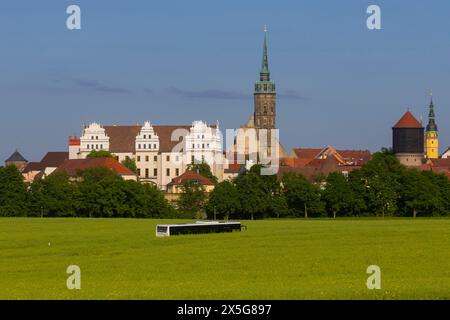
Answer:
(172, 62)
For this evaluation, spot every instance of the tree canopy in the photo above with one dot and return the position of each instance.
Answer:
(100, 154)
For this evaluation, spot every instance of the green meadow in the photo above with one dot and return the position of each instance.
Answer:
(273, 259)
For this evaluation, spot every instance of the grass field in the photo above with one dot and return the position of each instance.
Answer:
(287, 259)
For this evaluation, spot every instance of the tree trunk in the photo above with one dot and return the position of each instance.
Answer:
(414, 213)
(252, 216)
(306, 212)
(382, 213)
(334, 214)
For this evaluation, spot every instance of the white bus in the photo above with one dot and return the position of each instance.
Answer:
(167, 230)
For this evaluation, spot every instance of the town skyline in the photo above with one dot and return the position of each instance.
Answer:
(341, 92)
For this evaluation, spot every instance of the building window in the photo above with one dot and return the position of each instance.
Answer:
(154, 146)
(88, 146)
(96, 138)
(193, 146)
(155, 172)
(177, 158)
(192, 159)
(168, 158)
(101, 146)
(147, 158)
(96, 146)
(145, 137)
(168, 172)
(146, 173)
(139, 172)
(145, 145)
(138, 158)
(177, 172)
(155, 158)
(139, 146)
(149, 136)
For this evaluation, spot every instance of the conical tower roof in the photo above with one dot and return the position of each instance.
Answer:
(408, 121)
(16, 157)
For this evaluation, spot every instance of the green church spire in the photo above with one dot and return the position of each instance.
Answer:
(265, 74)
(431, 118)
(265, 85)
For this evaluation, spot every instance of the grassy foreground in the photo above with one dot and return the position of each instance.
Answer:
(287, 259)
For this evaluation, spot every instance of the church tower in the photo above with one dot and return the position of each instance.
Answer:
(265, 95)
(431, 135)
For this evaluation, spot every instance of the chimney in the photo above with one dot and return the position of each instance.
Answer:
(74, 141)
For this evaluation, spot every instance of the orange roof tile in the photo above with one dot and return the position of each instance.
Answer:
(295, 162)
(191, 176)
(408, 121)
(71, 167)
(309, 153)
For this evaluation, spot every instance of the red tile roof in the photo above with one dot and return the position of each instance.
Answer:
(441, 162)
(50, 160)
(311, 153)
(295, 162)
(33, 166)
(408, 121)
(54, 159)
(355, 155)
(308, 153)
(315, 163)
(72, 167)
(233, 168)
(191, 176)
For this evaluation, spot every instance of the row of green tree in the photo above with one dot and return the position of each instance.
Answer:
(97, 192)
(383, 187)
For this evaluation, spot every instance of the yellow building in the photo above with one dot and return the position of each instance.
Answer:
(431, 135)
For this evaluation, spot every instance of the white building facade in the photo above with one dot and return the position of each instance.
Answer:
(161, 153)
